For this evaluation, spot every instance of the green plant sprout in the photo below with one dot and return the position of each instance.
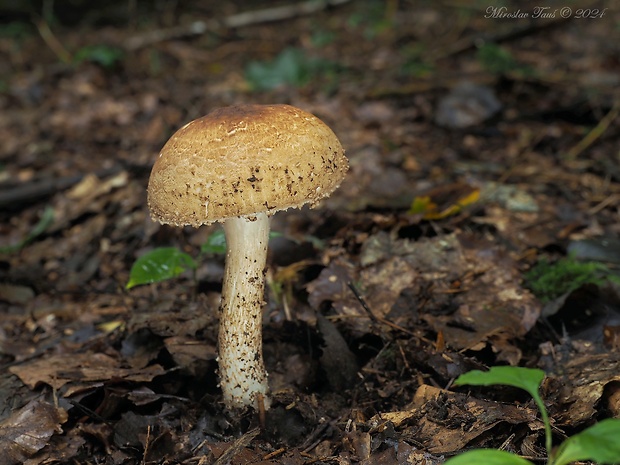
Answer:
(106, 56)
(164, 263)
(414, 63)
(548, 281)
(372, 17)
(216, 243)
(46, 220)
(16, 30)
(292, 66)
(498, 60)
(321, 37)
(598, 443)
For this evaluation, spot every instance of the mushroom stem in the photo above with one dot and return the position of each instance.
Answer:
(241, 367)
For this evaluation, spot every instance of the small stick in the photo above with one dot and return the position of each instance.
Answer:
(274, 454)
(236, 447)
(374, 317)
(52, 42)
(595, 133)
(243, 19)
(147, 444)
(261, 410)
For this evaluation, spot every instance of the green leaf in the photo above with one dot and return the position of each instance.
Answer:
(528, 379)
(17, 30)
(487, 457)
(216, 242)
(101, 54)
(598, 443)
(499, 60)
(159, 265)
(292, 66)
(273, 234)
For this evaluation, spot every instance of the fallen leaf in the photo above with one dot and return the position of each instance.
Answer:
(15, 293)
(467, 104)
(585, 379)
(58, 370)
(186, 351)
(477, 298)
(511, 197)
(445, 201)
(28, 430)
(451, 421)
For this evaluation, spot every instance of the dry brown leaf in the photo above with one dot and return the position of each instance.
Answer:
(359, 444)
(88, 196)
(450, 421)
(383, 283)
(187, 350)
(475, 277)
(15, 293)
(583, 384)
(28, 430)
(58, 370)
(379, 284)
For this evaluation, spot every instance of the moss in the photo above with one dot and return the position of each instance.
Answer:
(549, 281)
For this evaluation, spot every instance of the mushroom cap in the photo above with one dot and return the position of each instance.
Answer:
(242, 160)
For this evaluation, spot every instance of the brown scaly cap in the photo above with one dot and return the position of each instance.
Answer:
(241, 160)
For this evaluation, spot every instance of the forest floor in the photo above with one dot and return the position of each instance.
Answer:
(478, 226)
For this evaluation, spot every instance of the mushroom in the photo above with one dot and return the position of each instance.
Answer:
(238, 165)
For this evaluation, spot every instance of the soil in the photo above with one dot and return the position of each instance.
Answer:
(482, 141)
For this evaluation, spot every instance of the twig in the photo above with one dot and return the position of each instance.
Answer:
(147, 445)
(90, 413)
(315, 437)
(243, 19)
(52, 42)
(374, 317)
(472, 42)
(613, 198)
(595, 133)
(274, 454)
(236, 447)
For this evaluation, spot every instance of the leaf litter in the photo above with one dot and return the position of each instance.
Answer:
(412, 274)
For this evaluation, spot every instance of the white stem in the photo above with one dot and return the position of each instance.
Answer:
(241, 366)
